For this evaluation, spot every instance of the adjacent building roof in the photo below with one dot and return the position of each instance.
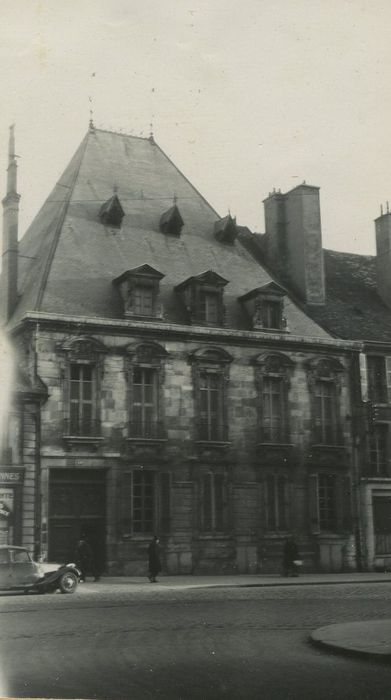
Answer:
(353, 309)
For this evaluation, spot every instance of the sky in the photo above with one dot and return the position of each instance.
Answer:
(244, 96)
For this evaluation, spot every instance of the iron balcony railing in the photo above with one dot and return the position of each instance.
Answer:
(81, 427)
(149, 430)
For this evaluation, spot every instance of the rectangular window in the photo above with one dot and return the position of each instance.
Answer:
(81, 396)
(377, 378)
(325, 413)
(213, 503)
(145, 502)
(378, 451)
(145, 403)
(273, 410)
(209, 307)
(143, 300)
(276, 506)
(211, 406)
(327, 501)
(271, 314)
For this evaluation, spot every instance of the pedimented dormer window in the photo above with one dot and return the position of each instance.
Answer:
(111, 212)
(171, 221)
(203, 298)
(265, 306)
(139, 289)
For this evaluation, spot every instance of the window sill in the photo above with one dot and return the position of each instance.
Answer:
(213, 443)
(327, 446)
(83, 439)
(278, 445)
(146, 440)
(218, 535)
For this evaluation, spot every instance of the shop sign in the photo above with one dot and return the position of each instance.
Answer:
(11, 477)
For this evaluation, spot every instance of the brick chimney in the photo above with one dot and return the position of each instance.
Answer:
(383, 255)
(294, 240)
(9, 271)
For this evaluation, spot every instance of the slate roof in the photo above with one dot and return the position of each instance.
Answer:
(69, 258)
(353, 309)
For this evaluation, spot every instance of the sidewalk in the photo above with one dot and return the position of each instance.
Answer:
(371, 638)
(250, 580)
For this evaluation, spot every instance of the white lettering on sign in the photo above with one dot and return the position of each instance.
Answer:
(9, 476)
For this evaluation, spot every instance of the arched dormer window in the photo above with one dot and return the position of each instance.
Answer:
(171, 221)
(210, 377)
(82, 379)
(225, 230)
(146, 378)
(324, 381)
(203, 298)
(273, 372)
(111, 212)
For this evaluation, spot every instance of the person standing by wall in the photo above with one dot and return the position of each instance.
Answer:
(83, 558)
(154, 565)
(291, 554)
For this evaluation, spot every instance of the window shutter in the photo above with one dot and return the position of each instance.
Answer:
(364, 376)
(313, 503)
(219, 501)
(164, 496)
(126, 504)
(388, 377)
(344, 503)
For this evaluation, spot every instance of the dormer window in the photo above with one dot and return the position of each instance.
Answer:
(225, 230)
(203, 298)
(111, 212)
(171, 221)
(139, 289)
(265, 306)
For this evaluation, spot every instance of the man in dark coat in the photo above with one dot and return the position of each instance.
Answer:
(291, 554)
(154, 559)
(83, 558)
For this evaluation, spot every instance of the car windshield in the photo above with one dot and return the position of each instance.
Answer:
(20, 556)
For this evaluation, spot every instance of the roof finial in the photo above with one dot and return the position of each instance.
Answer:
(151, 133)
(175, 198)
(388, 207)
(115, 188)
(91, 122)
(381, 210)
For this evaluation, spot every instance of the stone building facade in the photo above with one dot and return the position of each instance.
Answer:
(353, 302)
(184, 391)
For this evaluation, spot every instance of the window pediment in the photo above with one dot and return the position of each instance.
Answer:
(275, 363)
(211, 355)
(82, 347)
(148, 353)
(324, 367)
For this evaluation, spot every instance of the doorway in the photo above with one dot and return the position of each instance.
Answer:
(382, 525)
(77, 500)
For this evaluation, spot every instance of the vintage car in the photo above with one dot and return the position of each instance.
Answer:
(19, 572)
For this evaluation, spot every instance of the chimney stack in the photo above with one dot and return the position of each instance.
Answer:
(383, 255)
(294, 240)
(9, 273)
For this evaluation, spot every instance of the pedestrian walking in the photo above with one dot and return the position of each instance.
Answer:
(290, 557)
(154, 565)
(83, 558)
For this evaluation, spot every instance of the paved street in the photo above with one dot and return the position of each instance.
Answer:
(142, 641)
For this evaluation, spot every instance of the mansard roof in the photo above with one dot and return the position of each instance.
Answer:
(68, 259)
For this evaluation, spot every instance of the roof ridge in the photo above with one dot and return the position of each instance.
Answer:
(61, 219)
(119, 133)
(346, 252)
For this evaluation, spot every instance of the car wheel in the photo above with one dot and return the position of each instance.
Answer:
(68, 582)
